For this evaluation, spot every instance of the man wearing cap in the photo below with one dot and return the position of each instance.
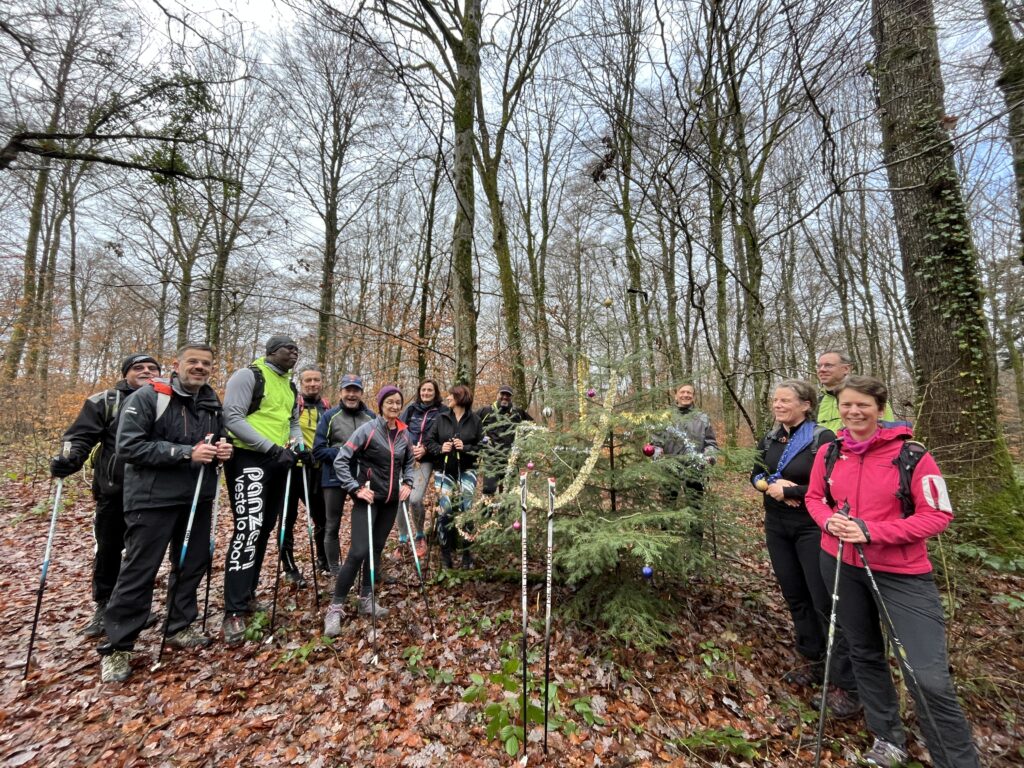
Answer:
(96, 426)
(499, 422)
(334, 428)
(261, 413)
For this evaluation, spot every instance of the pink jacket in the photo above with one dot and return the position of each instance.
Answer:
(869, 483)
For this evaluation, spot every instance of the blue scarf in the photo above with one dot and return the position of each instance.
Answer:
(799, 440)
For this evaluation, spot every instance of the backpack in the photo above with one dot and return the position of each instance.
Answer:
(111, 406)
(911, 453)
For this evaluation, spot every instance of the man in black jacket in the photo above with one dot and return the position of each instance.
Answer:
(499, 421)
(96, 424)
(162, 437)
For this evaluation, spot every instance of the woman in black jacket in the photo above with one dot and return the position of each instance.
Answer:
(782, 470)
(454, 438)
(383, 479)
(419, 416)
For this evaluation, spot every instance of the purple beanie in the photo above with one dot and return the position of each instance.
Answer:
(386, 391)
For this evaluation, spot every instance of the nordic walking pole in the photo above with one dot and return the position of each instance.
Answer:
(419, 573)
(373, 592)
(309, 530)
(522, 531)
(280, 544)
(547, 610)
(829, 647)
(173, 593)
(901, 652)
(58, 492)
(213, 540)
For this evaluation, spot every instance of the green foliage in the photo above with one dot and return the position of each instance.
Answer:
(501, 714)
(413, 656)
(619, 510)
(630, 612)
(720, 743)
(257, 627)
(303, 652)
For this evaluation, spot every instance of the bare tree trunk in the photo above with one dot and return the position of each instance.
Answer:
(467, 58)
(1010, 52)
(952, 348)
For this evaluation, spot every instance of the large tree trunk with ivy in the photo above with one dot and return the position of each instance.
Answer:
(952, 349)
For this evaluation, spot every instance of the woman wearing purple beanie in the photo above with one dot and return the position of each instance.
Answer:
(384, 479)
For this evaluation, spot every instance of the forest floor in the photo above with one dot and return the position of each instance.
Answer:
(713, 697)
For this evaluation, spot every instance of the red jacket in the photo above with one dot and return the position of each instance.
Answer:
(869, 483)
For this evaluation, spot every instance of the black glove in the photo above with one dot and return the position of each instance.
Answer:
(62, 466)
(306, 457)
(283, 457)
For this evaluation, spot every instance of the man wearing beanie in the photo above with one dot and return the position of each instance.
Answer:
(499, 421)
(96, 427)
(261, 413)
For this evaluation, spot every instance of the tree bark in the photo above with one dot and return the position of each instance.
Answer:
(1010, 52)
(954, 371)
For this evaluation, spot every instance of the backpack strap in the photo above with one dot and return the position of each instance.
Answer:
(831, 457)
(163, 397)
(259, 388)
(906, 462)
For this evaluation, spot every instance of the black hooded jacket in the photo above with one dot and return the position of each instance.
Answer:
(156, 450)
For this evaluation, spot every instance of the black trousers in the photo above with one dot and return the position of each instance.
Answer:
(794, 546)
(383, 516)
(108, 528)
(334, 511)
(317, 512)
(913, 603)
(256, 487)
(149, 533)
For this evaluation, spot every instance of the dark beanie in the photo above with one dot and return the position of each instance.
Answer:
(386, 391)
(274, 343)
(138, 357)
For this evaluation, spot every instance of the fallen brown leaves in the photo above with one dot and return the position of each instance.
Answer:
(715, 697)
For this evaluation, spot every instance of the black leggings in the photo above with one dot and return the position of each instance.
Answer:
(359, 550)
(913, 603)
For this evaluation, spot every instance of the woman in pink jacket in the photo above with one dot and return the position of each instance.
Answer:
(894, 545)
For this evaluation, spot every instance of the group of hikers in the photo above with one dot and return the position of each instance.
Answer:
(849, 502)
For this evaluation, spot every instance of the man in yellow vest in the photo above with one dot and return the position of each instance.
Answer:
(261, 413)
(834, 365)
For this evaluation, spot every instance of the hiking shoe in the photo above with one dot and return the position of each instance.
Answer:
(446, 558)
(323, 566)
(116, 667)
(885, 754)
(467, 560)
(333, 618)
(295, 577)
(421, 547)
(95, 626)
(806, 675)
(841, 704)
(233, 628)
(367, 606)
(189, 637)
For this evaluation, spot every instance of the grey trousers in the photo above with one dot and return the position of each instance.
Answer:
(913, 603)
